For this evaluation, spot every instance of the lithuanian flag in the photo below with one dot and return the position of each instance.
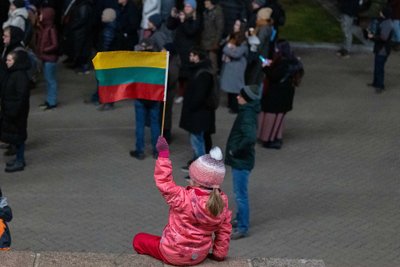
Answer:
(130, 75)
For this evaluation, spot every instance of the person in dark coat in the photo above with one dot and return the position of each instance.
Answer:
(78, 28)
(128, 24)
(382, 48)
(278, 98)
(12, 39)
(196, 117)
(5, 217)
(187, 29)
(15, 107)
(240, 154)
(233, 10)
(47, 51)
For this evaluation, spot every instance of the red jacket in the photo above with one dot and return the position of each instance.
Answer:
(188, 236)
(47, 41)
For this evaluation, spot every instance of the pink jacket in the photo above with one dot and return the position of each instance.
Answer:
(188, 236)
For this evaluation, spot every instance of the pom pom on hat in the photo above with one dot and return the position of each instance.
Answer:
(192, 3)
(208, 170)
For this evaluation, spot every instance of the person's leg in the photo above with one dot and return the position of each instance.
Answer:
(140, 121)
(379, 71)
(49, 70)
(277, 126)
(148, 244)
(346, 22)
(20, 156)
(154, 124)
(213, 56)
(240, 184)
(197, 143)
(207, 142)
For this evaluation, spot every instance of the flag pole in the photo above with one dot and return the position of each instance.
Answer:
(165, 95)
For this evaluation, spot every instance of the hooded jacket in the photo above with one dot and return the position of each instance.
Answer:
(17, 18)
(47, 40)
(240, 152)
(188, 236)
(15, 101)
(5, 216)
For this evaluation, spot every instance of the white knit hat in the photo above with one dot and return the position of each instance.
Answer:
(208, 170)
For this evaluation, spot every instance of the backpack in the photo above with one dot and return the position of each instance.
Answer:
(295, 72)
(212, 101)
(28, 33)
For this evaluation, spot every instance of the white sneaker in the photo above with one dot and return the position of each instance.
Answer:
(179, 100)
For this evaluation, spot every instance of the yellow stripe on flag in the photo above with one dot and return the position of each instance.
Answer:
(127, 59)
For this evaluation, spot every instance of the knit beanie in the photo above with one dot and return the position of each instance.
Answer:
(18, 3)
(251, 92)
(192, 3)
(264, 13)
(208, 170)
(108, 15)
(260, 2)
(156, 20)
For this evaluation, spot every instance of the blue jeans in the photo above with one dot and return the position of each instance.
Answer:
(20, 156)
(379, 71)
(198, 145)
(142, 110)
(49, 71)
(240, 183)
(396, 30)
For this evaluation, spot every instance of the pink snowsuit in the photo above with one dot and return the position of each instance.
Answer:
(188, 236)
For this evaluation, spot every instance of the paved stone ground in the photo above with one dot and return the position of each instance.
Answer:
(331, 193)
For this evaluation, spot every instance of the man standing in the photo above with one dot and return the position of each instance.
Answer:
(382, 48)
(212, 31)
(349, 10)
(197, 117)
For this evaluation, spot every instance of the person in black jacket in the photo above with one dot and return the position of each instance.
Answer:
(128, 24)
(78, 28)
(277, 100)
(196, 117)
(349, 10)
(5, 217)
(4, 6)
(15, 107)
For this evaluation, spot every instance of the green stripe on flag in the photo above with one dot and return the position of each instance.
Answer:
(108, 77)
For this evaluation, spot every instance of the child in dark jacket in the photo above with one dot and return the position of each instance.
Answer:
(5, 217)
(240, 154)
(47, 50)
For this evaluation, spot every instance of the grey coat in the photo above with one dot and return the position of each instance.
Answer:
(232, 74)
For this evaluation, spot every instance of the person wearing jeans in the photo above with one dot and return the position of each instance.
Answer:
(146, 109)
(197, 143)
(240, 155)
(49, 71)
(382, 48)
(47, 51)
(349, 10)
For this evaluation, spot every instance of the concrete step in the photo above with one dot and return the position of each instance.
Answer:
(73, 259)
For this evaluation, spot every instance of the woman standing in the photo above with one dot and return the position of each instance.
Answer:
(233, 68)
(15, 107)
(277, 99)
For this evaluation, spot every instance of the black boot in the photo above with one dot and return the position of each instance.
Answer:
(17, 166)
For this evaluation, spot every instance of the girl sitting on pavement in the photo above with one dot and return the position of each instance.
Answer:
(197, 212)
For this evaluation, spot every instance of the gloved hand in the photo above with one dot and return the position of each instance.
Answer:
(214, 258)
(162, 147)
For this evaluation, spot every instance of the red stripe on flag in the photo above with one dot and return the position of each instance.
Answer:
(109, 94)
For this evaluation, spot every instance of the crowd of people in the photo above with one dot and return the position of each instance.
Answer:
(232, 46)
